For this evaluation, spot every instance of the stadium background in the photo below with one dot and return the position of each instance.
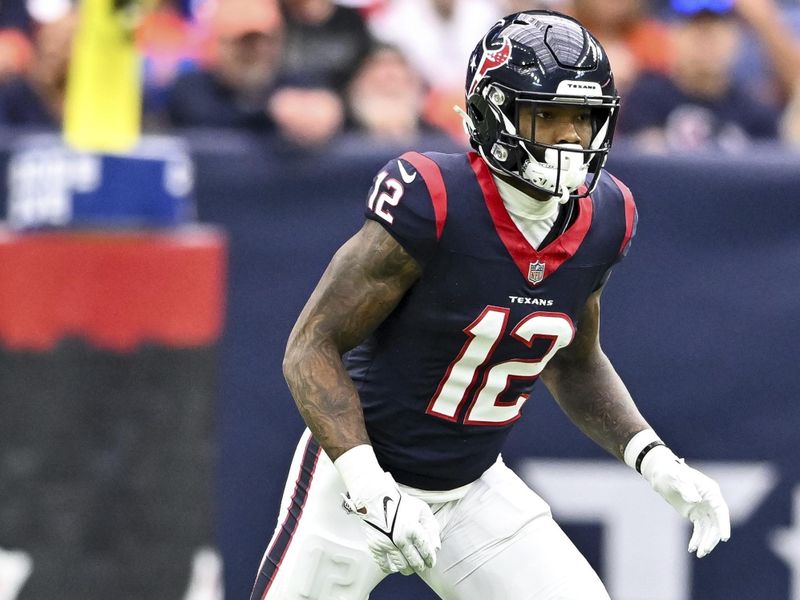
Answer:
(700, 320)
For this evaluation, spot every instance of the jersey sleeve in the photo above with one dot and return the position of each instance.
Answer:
(631, 215)
(408, 198)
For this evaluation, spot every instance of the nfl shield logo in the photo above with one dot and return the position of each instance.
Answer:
(536, 272)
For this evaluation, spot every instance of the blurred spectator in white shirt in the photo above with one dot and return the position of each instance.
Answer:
(438, 37)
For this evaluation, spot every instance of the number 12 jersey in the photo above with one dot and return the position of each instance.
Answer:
(446, 375)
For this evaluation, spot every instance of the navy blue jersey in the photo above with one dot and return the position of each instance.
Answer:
(445, 376)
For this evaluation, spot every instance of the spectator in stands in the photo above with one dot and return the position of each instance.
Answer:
(232, 91)
(385, 97)
(775, 39)
(324, 42)
(16, 53)
(634, 40)
(16, 46)
(170, 44)
(36, 98)
(698, 105)
(243, 86)
(308, 117)
(437, 36)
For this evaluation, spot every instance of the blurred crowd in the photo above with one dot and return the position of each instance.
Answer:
(693, 74)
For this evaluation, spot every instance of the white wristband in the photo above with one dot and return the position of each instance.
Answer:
(638, 447)
(360, 471)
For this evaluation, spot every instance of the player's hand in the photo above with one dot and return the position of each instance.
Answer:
(402, 533)
(694, 495)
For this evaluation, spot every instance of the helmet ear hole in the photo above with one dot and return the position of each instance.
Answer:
(485, 124)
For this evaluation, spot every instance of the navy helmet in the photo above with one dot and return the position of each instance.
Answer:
(542, 58)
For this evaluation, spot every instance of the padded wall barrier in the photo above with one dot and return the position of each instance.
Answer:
(108, 385)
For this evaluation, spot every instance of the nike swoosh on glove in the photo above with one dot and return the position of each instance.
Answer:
(693, 494)
(402, 533)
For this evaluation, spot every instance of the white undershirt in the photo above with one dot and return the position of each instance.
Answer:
(534, 218)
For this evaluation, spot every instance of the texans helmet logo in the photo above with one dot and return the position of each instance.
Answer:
(490, 60)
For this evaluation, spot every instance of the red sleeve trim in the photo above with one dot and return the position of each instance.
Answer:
(434, 181)
(630, 211)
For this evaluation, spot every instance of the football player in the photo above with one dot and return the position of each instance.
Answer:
(474, 275)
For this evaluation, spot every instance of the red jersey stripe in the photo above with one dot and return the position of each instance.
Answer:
(554, 254)
(432, 176)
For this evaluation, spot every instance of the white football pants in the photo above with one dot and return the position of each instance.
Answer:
(499, 542)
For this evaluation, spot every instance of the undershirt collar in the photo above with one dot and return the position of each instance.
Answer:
(524, 206)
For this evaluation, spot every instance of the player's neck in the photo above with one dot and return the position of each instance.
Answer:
(522, 204)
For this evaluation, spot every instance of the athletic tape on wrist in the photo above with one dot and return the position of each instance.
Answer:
(359, 470)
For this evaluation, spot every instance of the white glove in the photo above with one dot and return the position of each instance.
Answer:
(694, 495)
(402, 533)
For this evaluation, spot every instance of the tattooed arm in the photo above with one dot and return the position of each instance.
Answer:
(363, 283)
(588, 389)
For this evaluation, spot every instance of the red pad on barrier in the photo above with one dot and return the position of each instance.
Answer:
(115, 289)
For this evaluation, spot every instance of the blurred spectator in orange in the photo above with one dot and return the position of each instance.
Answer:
(170, 44)
(16, 53)
(438, 37)
(385, 97)
(36, 98)
(243, 86)
(698, 105)
(324, 42)
(633, 39)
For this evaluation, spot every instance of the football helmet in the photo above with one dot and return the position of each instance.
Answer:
(541, 58)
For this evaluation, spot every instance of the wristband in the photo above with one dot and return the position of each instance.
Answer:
(638, 447)
(655, 460)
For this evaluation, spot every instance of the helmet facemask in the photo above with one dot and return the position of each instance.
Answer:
(503, 123)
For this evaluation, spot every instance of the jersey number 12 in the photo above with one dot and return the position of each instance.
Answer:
(484, 406)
